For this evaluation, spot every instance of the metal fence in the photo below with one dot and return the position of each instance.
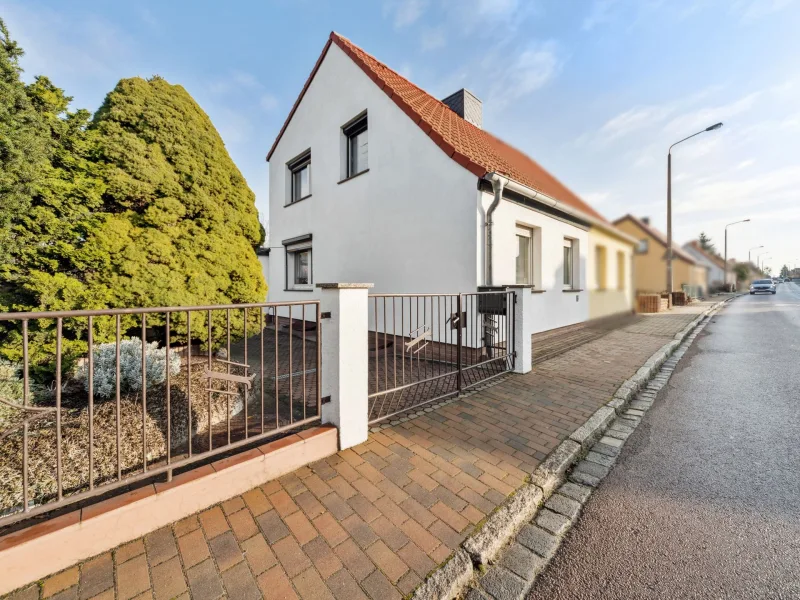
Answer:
(94, 400)
(425, 347)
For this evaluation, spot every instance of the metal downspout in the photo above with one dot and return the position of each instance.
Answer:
(498, 183)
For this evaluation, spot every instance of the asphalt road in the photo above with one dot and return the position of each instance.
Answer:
(704, 501)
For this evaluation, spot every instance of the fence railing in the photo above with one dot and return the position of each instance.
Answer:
(93, 400)
(425, 347)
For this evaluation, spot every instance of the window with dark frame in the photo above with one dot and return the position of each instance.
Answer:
(299, 266)
(302, 267)
(300, 172)
(357, 146)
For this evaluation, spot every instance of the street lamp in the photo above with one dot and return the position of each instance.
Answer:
(725, 279)
(669, 202)
(766, 255)
(751, 249)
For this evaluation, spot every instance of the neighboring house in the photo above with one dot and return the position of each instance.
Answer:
(650, 261)
(610, 267)
(374, 180)
(714, 263)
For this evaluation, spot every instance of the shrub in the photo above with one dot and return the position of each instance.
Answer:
(10, 391)
(130, 355)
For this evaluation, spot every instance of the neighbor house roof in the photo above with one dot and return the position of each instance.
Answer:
(473, 148)
(717, 260)
(658, 236)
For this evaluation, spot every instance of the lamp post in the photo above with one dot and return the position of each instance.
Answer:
(725, 277)
(669, 202)
(751, 249)
(766, 255)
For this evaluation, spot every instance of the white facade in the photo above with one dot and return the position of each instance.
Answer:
(414, 222)
(716, 274)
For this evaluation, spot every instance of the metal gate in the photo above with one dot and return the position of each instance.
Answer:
(425, 347)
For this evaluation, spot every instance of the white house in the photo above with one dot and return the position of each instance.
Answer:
(374, 180)
(715, 264)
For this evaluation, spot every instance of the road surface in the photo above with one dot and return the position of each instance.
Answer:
(704, 501)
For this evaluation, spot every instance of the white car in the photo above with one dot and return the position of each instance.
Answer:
(763, 286)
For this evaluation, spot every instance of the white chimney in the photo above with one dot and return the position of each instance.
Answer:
(466, 105)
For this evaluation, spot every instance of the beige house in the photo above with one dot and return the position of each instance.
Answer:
(610, 271)
(650, 261)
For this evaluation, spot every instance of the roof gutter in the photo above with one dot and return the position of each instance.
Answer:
(555, 204)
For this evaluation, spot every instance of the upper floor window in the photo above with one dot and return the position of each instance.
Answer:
(643, 245)
(300, 171)
(356, 133)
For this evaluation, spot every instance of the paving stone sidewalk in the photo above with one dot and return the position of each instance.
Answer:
(374, 520)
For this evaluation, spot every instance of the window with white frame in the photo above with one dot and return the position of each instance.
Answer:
(356, 134)
(299, 273)
(524, 256)
(569, 263)
(300, 177)
(643, 246)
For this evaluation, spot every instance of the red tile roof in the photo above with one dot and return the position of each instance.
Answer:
(473, 148)
(659, 237)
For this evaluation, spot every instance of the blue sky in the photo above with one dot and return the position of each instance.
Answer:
(595, 90)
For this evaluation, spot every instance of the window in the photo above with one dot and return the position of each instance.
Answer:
(524, 256)
(600, 267)
(569, 263)
(302, 267)
(643, 246)
(300, 171)
(357, 146)
(299, 273)
(620, 270)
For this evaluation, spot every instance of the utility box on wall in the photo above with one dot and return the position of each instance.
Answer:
(492, 304)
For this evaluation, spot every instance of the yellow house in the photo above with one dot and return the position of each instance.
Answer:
(650, 261)
(609, 270)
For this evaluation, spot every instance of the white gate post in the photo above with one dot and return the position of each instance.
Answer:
(345, 359)
(523, 327)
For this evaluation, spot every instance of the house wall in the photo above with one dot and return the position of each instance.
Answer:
(407, 225)
(554, 307)
(610, 300)
(716, 274)
(650, 268)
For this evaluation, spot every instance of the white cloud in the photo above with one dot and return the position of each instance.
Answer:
(699, 119)
(148, 18)
(752, 10)
(600, 13)
(404, 12)
(595, 199)
(770, 189)
(634, 120)
(745, 163)
(65, 45)
(432, 39)
(268, 102)
(531, 70)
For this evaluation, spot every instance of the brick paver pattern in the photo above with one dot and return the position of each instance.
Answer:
(374, 520)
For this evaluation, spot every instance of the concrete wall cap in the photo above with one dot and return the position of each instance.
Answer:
(346, 286)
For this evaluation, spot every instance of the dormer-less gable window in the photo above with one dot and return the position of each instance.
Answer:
(356, 133)
(300, 173)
